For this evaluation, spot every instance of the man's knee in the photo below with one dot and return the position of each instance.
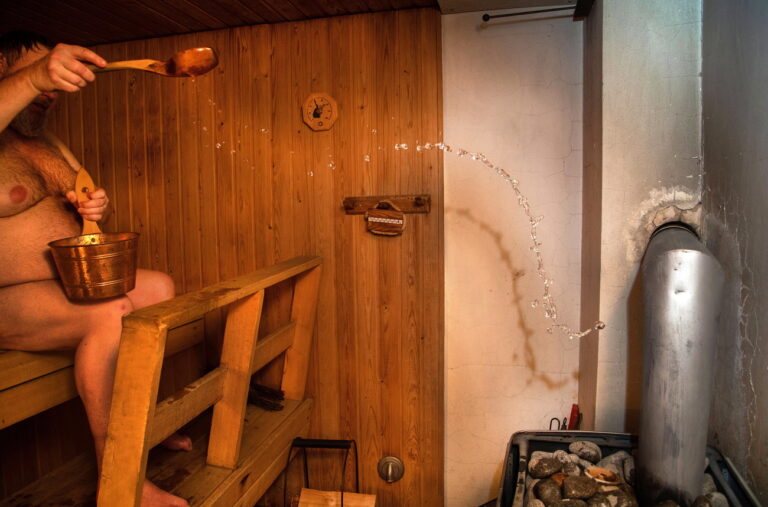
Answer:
(151, 287)
(114, 309)
(165, 287)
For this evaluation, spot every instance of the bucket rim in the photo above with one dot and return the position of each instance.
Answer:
(126, 236)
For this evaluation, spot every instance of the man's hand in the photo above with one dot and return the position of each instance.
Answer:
(63, 69)
(93, 209)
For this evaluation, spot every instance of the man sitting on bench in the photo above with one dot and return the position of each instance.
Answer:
(37, 205)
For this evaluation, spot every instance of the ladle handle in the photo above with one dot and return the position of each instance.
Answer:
(150, 65)
(83, 185)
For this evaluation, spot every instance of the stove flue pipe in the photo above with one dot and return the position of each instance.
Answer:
(682, 289)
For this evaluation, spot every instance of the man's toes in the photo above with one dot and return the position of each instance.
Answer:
(177, 442)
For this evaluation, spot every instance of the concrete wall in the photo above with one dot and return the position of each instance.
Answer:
(512, 90)
(735, 107)
(648, 153)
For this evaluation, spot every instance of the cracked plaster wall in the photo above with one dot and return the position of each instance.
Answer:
(648, 153)
(735, 124)
(512, 90)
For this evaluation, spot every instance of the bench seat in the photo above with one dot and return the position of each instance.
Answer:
(32, 382)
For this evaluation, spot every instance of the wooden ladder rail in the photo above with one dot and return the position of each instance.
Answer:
(137, 422)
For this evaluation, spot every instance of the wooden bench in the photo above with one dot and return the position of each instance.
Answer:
(246, 448)
(32, 382)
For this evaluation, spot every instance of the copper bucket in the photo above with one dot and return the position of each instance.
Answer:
(96, 266)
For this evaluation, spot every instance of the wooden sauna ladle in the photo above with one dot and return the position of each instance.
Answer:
(188, 63)
(83, 185)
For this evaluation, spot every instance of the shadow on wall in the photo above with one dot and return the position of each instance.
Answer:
(517, 300)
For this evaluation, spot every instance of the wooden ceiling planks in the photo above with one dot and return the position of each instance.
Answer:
(89, 23)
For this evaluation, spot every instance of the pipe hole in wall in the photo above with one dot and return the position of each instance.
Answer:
(675, 225)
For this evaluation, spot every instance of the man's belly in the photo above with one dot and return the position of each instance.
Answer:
(24, 252)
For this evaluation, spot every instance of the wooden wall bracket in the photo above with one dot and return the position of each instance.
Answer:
(404, 203)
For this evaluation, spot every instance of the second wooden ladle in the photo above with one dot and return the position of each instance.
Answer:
(188, 63)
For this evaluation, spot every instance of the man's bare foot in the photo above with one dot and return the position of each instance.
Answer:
(152, 496)
(177, 442)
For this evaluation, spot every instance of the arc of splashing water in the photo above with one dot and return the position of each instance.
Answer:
(547, 300)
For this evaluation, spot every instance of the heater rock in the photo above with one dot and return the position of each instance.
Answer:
(617, 458)
(575, 458)
(621, 499)
(629, 470)
(571, 502)
(586, 450)
(530, 482)
(713, 499)
(548, 491)
(667, 503)
(571, 468)
(540, 455)
(561, 456)
(708, 485)
(579, 487)
(599, 500)
(544, 467)
(617, 469)
(534, 502)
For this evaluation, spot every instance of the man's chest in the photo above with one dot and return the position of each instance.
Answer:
(30, 169)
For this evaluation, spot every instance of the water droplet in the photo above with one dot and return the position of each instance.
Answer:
(311, 173)
(367, 158)
(374, 131)
(547, 300)
(218, 146)
(205, 129)
(332, 166)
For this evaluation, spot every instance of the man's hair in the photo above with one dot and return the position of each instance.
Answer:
(14, 44)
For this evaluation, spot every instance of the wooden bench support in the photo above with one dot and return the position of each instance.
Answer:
(236, 357)
(246, 447)
(137, 422)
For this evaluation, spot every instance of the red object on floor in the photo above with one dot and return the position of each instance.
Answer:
(573, 421)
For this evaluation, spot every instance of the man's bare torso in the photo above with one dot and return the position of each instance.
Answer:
(33, 211)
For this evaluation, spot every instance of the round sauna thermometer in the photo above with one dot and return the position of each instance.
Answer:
(320, 111)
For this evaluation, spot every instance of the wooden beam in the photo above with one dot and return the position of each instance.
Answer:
(236, 357)
(404, 203)
(30, 398)
(133, 406)
(191, 306)
(262, 463)
(303, 312)
(182, 337)
(272, 346)
(17, 367)
(183, 406)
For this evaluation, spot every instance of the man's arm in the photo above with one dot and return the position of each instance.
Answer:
(96, 208)
(61, 69)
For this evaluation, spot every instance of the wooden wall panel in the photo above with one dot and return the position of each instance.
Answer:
(220, 176)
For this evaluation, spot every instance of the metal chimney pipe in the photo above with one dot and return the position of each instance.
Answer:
(682, 289)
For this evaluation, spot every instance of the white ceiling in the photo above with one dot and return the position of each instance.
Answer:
(454, 6)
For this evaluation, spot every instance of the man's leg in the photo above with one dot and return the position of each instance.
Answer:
(37, 316)
(153, 287)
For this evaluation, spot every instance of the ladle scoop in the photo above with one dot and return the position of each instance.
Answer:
(188, 63)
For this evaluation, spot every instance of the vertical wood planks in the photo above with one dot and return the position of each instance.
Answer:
(273, 189)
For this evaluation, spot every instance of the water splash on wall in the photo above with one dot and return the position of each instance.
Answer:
(547, 301)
